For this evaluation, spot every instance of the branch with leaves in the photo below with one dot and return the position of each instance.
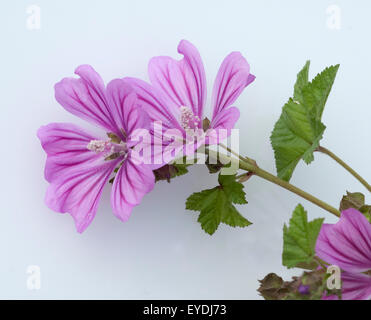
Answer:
(296, 136)
(79, 164)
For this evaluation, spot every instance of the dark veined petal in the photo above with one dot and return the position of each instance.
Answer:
(233, 76)
(86, 98)
(79, 191)
(183, 81)
(226, 119)
(155, 103)
(347, 243)
(131, 183)
(127, 114)
(76, 175)
(222, 125)
(355, 286)
(66, 146)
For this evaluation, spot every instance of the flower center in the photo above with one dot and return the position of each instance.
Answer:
(187, 118)
(109, 150)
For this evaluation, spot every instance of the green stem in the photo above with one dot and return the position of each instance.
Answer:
(345, 166)
(237, 154)
(245, 165)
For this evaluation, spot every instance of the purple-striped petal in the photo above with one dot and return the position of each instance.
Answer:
(222, 125)
(65, 145)
(131, 183)
(226, 119)
(355, 286)
(347, 243)
(128, 116)
(183, 81)
(233, 76)
(78, 191)
(86, 98)
(76, 175)
(155, 103)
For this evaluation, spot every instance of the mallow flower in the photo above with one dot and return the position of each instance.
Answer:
(79, 164)
(347, 244)
(176, 94)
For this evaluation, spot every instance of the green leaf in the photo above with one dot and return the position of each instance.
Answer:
(216, 205)
(212, 210)
(301, 82)
(232, 188)
(299, 239)
(233, 218)
(298, 131)
(315, 93)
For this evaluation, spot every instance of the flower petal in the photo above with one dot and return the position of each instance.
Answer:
(66, 146)
(226, 119)
(163, 113)
(222, 125)
(78, 191)
(183, 81)
(347, 243)
(131, 183)
(355, 286)
(76, 175)
(124, 107)
(86, 98)
(233, 76)
(155, 103)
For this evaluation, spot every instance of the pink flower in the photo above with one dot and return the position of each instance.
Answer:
(177, 93)
(79, 164)
(347, 244)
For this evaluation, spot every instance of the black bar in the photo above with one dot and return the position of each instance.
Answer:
(181, 309)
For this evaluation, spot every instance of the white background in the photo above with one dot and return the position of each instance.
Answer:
(162, 253)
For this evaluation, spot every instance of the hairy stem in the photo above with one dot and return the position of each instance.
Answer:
(345, 166)
(251, 167)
